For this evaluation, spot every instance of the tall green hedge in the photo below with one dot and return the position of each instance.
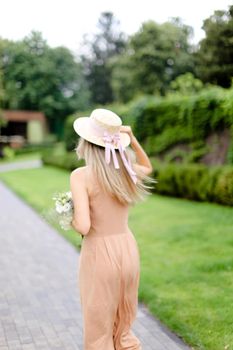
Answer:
(178, 119)
(195, 181)
(160, 123)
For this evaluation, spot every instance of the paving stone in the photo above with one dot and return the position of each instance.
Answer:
(3, 341)
(14, 345)
(39, 297)
(35, 163)
(28, 347)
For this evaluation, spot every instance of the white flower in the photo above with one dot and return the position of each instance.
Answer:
(69, 195)
(66, 207)
(59, 208)
(65, 224)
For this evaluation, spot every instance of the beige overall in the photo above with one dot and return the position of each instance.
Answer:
(109, 270)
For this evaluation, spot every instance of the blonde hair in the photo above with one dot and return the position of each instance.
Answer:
(116, 182)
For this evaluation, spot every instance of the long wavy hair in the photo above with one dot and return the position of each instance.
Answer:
(116, 182)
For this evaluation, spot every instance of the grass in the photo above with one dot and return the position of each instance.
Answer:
(186, 251)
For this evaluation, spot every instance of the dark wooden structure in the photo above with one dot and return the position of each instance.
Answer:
(27, 126)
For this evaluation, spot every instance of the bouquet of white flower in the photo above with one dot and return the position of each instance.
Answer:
(64, 209)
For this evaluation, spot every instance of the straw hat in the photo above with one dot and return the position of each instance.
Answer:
(92, 128)
(103, 128)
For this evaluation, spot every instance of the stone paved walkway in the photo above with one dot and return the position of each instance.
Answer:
(22, 164)
(39, 300)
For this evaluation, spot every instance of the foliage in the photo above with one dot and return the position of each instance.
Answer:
(2, 121)
(186, 84)
(1, 88)
(191, 181)
(156, 60)
(70, 136)
(97, 51)
(177, 119)
(223, 192)
(33, 148)
(215, 55)
(155, 56)
(8, 153)
(37, 77)
(230, 150)
(66, 161)
(195, 181)
(188, 119)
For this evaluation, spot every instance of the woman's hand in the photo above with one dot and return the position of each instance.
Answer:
(128, 130)
(143, 160)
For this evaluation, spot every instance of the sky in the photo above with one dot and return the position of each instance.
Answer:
(64, 22)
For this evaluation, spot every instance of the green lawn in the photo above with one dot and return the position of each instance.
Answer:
(186, 253)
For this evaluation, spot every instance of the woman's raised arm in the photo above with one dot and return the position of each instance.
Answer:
(143, 161)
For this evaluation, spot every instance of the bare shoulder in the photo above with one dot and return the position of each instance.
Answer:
(79, 173)
(82, 176)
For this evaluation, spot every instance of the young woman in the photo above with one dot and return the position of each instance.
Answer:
(113, 179)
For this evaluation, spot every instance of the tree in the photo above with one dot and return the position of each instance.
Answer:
(1, 89)
(98, 49)
(1, 98)
(215, 54)
(155, 56)
(186, 84)
(37, 77)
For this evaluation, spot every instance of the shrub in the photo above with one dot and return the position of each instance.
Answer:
(160, 123)
(68, 161)
(70, 136)
(223, 192)
(8, 153)
(30, 148)
(195, 181)
(191, 181)
(164, 122)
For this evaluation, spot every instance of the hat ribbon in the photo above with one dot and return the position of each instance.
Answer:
(109, 139)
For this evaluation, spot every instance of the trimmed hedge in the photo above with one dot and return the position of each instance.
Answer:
(184, 119)
(30, 148)
(161, 123)
(195, 181)
(191, 181)
(68, 161)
